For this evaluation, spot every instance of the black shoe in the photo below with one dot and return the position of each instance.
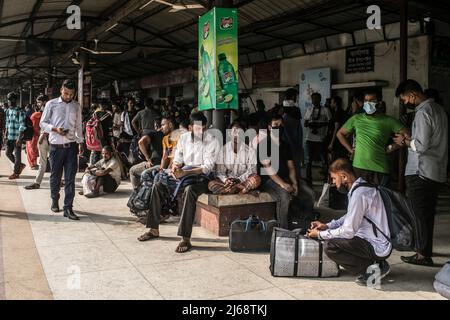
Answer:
(426, 262)
(55, 206)
(385, 268)
(68, 213)
(32, 186)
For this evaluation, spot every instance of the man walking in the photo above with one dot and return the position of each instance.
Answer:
(62, 121)
(15, 126)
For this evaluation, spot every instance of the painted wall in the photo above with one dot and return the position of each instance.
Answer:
(387, 67)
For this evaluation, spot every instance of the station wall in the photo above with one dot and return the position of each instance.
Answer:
(387, 68)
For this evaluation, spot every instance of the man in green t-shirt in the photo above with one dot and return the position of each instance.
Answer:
(373, 130)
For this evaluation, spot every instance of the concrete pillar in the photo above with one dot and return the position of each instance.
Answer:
(32, 92)
(218, 118)
(20, 97)
(403, 77)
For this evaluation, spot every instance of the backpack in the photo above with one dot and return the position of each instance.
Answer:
(94, 134)
(140, 198)
(176, 186)
(28, 134)
(404, 225)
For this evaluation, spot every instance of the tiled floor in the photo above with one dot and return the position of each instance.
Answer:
(46, 256)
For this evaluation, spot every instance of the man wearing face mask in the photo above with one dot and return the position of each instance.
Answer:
(277, 170)
(42, 143)
(351, 240)
(426, 168)
(373, 130)
(63, 122)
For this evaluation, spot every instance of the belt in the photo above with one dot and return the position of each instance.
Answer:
(64, 145)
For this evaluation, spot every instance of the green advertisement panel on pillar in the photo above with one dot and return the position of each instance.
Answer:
(218, 60)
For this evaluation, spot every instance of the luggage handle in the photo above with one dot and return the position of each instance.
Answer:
(255, 219)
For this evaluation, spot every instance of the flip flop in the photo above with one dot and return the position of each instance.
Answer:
(183, 247)
(147, 236)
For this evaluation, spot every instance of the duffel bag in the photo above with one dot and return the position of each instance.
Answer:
(442, 281)
(294, 255)
(251, 235)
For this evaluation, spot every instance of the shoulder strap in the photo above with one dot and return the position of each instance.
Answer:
(363, 184)
(375, 228)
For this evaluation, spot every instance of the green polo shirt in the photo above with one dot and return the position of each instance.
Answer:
(372, 136)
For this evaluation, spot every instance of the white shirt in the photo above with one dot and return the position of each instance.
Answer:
(240, 165)
(197, 152)
(113, 165)
(325, 116)
(59, 114)
(364, 202)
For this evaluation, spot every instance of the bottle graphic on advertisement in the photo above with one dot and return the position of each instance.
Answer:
(227, 79)
(207, 81)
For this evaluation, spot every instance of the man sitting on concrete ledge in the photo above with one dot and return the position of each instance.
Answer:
(197, 149)
(352, 241)
(236, 166)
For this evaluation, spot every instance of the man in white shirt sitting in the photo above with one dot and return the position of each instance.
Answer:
(352, 241)
(195, 154)
(236, 165)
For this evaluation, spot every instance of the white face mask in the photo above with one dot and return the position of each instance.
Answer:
(370, 107)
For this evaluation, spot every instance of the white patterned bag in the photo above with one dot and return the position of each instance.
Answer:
(442, 281)
(88, 183)
(294, 255)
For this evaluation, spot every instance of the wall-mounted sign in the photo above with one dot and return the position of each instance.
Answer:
(218, 60)
(360, 59)
(266, 74)
(167, 79)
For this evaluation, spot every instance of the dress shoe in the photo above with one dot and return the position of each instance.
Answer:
(68, 213)
(426, 262)
(55, 206)
(13, 176)
(32, 186)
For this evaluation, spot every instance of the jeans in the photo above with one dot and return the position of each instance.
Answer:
(14, 154)
(423, 194)
(355, 254)
(190, 196)
(63, 159)
(283, 199)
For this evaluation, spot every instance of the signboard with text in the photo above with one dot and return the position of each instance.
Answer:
(360, 59)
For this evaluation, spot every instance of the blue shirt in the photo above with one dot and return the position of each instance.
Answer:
(15, 123)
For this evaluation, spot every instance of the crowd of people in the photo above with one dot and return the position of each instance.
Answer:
(170, 143)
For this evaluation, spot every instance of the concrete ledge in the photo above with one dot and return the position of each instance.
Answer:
(234, 199)
(215, 213)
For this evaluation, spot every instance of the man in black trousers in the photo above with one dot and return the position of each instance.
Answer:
(62, 121)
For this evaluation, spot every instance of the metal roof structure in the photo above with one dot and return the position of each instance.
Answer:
(151, 39)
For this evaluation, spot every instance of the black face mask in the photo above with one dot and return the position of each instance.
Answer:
(343, 189)
(409, 106)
